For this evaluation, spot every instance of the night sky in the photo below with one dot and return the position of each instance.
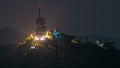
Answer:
(75, 17)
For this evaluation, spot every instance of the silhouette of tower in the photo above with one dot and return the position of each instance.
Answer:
(40, 22)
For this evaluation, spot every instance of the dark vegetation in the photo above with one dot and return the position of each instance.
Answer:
(60, 54)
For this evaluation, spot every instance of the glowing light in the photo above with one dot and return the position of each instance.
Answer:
(22, 43)
(55, 33)
(32, 47)
(28, 39)
(49, 35)
(35, 43)
(43, 37)
(74, 41)
(101, 45)
(97, 42)
(31, 35)
(36, 38)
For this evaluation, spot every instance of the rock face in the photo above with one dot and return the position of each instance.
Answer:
(10, 36)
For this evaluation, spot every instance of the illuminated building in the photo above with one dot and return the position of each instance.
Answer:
(42, 35)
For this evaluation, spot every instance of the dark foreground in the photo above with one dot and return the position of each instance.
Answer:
(85, 56)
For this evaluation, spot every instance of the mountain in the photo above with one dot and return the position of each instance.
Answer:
(9, 35)
(60, 54)
(63, 52)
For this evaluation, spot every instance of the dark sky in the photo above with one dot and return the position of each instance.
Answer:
(78, 17)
